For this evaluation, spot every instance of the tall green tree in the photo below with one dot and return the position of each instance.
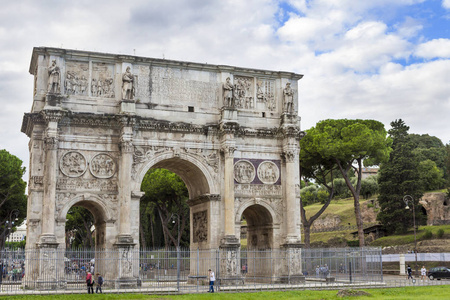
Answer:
(166, 197)
(79, 228)
(428, 147)
(399, 177)
(13, 201)
(314, 166)
(350, 144)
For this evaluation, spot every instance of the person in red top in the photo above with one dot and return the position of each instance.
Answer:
(90, 283)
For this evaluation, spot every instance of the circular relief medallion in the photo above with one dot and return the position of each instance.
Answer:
(244, 171)
(102, 166)
(268, 172)
(73, 164)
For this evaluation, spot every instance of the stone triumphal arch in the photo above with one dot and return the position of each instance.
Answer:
(100, 121)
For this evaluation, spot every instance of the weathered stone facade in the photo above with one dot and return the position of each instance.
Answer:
(437, 207)
(100, 121)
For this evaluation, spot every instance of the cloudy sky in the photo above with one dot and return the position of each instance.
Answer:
(378, 59)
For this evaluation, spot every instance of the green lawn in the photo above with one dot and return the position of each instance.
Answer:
(428, 292)
(409, 237)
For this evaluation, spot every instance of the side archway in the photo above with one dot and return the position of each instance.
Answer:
(102, 213)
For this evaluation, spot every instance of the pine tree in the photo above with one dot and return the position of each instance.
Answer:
(397, 178)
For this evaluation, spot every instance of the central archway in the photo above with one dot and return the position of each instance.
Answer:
(200, 182)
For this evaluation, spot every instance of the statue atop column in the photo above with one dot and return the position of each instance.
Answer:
(54, 78)
(228, 98)
(128, 90)
(288, 93)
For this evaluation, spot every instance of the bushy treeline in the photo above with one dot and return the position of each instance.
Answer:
(315, 193)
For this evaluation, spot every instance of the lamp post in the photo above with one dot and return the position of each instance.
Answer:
(409, 199)
(9, 224)
(178, 249)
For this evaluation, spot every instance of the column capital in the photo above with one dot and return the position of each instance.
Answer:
(228, 150)
(50, 143)
(290, 155)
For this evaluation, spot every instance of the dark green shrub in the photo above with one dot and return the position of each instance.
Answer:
(440, 233)
(428, 234)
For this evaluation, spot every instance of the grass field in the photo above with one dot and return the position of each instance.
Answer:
(423, 293)
(409, 237)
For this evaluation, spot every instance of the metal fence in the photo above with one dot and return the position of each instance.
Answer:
(165, 271)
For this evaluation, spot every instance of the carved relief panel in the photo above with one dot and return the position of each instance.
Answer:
(200, 226)
(244, 92)
(244, 171)
(102, 166)
(268, 171)
(265, 94)
(100, 178)
(102, 81)
(76, 78)
(73, 164)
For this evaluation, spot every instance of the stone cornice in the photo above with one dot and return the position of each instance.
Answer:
(29, 120)
(149, 124)
(203, 199)
(86, 55)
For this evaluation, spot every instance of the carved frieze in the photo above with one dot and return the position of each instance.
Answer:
(37, 180)
(259, 190)
(61, 200)
(73, 164)
(80, 184)
(102, 166)
(142, 154)
(209, 156)
(76, 81)
(244, 92)
(244, 171)
(265, 93)
(102, 82)
(200, 226)
(268, 172)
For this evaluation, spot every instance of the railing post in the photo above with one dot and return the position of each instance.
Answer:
(178, 268)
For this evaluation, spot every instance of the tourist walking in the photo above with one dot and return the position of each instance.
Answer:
(90, 283)
(409, 271)
(99, 283)
(212, 278)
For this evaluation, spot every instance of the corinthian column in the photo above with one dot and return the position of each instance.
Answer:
(50, 170)
(124, 176)
(228, 152)
(292, 179)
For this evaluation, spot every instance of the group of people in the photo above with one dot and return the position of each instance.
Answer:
(322, 271)
(423, 273)
(13, 272)
(90, 281)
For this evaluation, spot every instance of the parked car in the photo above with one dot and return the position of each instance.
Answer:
(438, 273)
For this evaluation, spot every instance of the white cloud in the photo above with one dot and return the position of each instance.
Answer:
(437, 48)
(446, 4)
(347, 51)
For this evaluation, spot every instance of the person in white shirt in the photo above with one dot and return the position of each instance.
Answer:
(212, 278)
(423, 273)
